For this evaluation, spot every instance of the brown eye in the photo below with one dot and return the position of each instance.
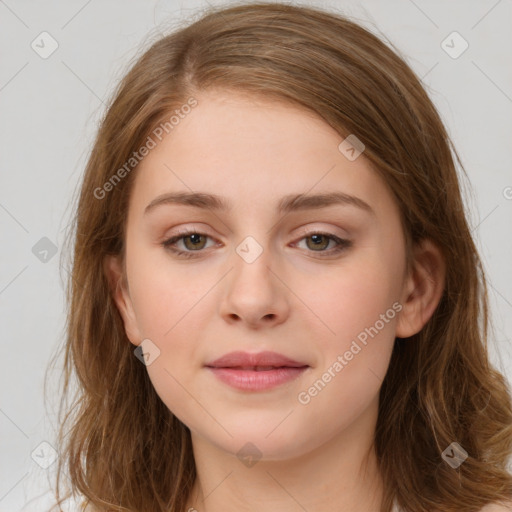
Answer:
(195, 241)
(191, 243)
(319, 241)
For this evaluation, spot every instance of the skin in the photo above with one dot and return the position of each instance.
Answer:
(290, 300)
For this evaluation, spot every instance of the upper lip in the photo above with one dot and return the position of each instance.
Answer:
(246, 359)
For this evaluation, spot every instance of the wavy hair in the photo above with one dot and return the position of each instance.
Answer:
(120, 446)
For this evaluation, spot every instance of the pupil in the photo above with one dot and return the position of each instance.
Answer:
(195, 238)
(318, 240)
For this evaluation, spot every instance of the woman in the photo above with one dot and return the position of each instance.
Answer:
(275, 297)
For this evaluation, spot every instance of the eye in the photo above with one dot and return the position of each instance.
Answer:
(320, 241)
(194, 242)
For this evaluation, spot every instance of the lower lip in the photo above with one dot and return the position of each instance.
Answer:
(250, 380)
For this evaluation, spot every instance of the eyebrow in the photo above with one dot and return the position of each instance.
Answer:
(287, 204)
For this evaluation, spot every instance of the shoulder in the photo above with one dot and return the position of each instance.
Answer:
(498, 507)
(88, 507)
(505, 506)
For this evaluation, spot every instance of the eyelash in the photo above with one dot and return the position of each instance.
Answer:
(167, 244)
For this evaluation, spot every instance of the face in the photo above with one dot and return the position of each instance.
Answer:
(321, 283)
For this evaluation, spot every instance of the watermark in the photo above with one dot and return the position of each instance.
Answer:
(454, 45)
(351, 147)
(507, 193)
(249, 249)
(44, 249)
(151, 142)
(454, 455)
(147, 352)
(249, 454)
(44, 455)
(304, 397)
(44, 45)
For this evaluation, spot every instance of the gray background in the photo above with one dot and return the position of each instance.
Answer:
(49, 113)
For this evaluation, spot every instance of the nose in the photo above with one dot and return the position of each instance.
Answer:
(254, 294)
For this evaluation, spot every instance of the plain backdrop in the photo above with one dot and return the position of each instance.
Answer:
(50, 107)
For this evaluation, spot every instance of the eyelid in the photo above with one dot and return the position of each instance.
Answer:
(341, 243)
(303, 231)
(308, 230)
(183, 233)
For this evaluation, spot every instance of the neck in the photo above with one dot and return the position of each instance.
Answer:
(340, 474)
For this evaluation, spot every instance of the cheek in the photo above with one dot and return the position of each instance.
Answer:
(361, 308)
(167, 302)
(358, 310)
(350, 298)
(164, 294)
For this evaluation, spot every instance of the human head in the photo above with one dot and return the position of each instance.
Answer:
(368, 91)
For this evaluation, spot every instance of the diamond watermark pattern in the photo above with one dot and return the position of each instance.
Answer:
(351, 147)
(147, 352)
(44, 45)
(44, 455)
(44, 249)
(455, 455)
(249, 454)
(454, 45)
(249, 249)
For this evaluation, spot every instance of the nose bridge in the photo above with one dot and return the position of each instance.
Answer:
(252, 262)
(253, 293)
(255, 229)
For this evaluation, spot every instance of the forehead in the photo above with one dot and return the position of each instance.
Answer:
(254, 151)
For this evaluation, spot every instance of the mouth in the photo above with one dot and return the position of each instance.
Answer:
(255, 368)
(257, 378)
(266, 360)
(247, 371)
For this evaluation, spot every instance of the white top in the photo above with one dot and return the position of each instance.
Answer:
(396, 508)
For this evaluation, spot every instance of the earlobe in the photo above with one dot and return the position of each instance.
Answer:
(112, 267)
(423, 289)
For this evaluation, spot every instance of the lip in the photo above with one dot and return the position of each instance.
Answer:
(256, 372)
(247, 359)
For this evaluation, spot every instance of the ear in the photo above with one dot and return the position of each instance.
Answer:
(423, 289)
(113, 269)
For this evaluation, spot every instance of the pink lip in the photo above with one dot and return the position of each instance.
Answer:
(255, 372)
(250, 380)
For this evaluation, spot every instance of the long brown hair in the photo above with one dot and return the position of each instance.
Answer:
(120, 446)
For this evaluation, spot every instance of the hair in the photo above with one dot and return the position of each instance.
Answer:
(440, 386)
